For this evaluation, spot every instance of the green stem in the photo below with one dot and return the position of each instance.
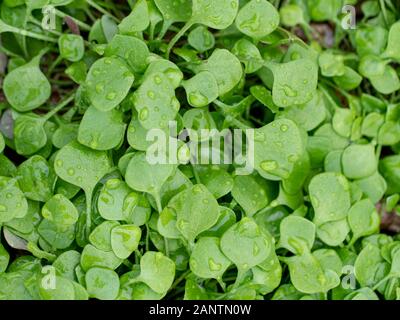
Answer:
(166, 247)
(237, 123)
(179, 280)
(88, 213)
(30, 34)
(59, 107)
(36, 22)
(127, 263)
(102, 10)
(176, 38)
(81, 24)
(382, 281)
(196, 175)
(90, 15)
(54, 65)
(156, 196)
(383, 8)
(163, 30)
(38, 253)
(239, 278)
(147, 237)
(70, 114)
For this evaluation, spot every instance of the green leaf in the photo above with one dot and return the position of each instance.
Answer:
(207, 260)
(138, 20)
(225, 68)
(330, 197)
(13, 203)
(359, 161)
(297, 234)
(102, 284)
(277, 147)
(157, 271)
(71, 46)
(91, 129)
(245, 245)
(363, 219)
(257, 19)
(108, 83)
(393, 48)
(295, 82)
(125, 240)
(36, 178)
(27, 88)
(201, 90)
(60, 210)
(154, 92)
(252, 193)
(217, 15)
(196, 211)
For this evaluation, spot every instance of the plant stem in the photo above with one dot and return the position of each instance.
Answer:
(147, 237)
(88, 213)
(53, 65)
(30, 34)
(175, 39)
(81, 24)
(102, 10)
(375, 287)
(59, 107)
(383, 8)
(38, 253)
(36, 22)
(179, 280)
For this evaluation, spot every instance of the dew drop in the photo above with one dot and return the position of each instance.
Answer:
(111, 95)
(9, 196)
(197, 99)
(269, 165)
(151, 94)
(284, 128)
(107, 61)
(295, 56)
(99, 87)
(214, 266)
(197, 189)
(59, 163)
(259, 136)
(256, 249)
(182, 224)
(289, 92)
(3, 208)
(321, 279)
(144, 114)
(113, 184)
(157, 79)
(130, 202)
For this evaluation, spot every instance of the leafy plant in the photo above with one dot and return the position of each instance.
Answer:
(91, 104)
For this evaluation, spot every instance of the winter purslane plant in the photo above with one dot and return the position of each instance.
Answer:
(85, 214)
